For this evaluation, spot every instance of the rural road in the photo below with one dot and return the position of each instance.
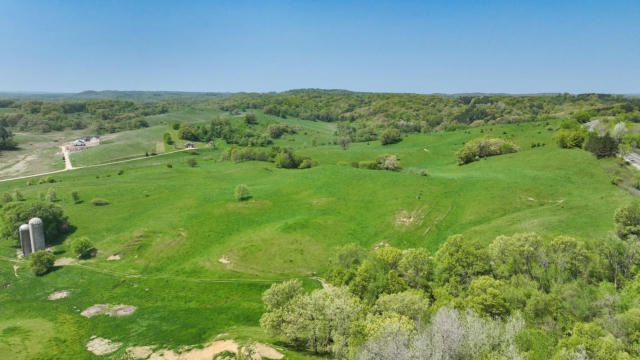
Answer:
(67, 158)
(68, 166)
(633, 158)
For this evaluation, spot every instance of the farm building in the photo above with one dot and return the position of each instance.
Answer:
(189, 145)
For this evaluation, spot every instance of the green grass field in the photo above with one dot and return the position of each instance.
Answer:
(171, 226)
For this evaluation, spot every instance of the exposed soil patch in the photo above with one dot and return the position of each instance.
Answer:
(63, 261)
(139, 352)
(15, 270)
(100, 346)
(206, 353)
(224, 260)
(111, 310)
(407, 218)
(114, 257)
(122, 310)
(58, 295)
(94, 310)
(267, 351)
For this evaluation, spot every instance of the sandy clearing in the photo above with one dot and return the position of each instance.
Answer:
(224, 260)
(101, 346)
(139, 352)
(267, 351)
(63, 261)
(58, 295)
(206, 353)
(94, 310)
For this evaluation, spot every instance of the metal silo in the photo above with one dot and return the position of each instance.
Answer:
(36, 230)
(25, 239)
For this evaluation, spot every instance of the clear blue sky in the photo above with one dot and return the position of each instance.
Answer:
(399, 46)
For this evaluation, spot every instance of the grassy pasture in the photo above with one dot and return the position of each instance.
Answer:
(171, 226)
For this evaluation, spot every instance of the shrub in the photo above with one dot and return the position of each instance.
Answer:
(120, 172)
(18, 213)
(51, 195)
(99, 202)
(568, 139)
(390, 136)
(192, 162)
(175, 126)
(307, 163)
(277, 130)
(250, 118)
(169, 165)
(41, 262)
(6, 198)
(167, 139)
(75, 197)
(371, 165)
(242, 192)
(484, 147)
(601, 146)
(81, 246)
(17, 195)
(389, 162)
(30, 183)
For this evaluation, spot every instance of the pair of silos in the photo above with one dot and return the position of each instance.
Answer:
(32, 236)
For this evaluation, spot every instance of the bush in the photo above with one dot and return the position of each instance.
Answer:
(81, 246)
(568, 139)
(169, 165)
(192, 162)
(75, 197)
(370, 165)
(120, 172)
(99, 202)
(242, 192)
(51, 195)
(484, 147)
(277, 130)
(17, 196)
(307, 163)
(389, 162)
(41, 262)
(601, 146)
(250, 119)
(175, 126)
(6, 198)
(390, 136)
(167, 139)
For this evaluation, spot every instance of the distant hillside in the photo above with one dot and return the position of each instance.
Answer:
(136, 96)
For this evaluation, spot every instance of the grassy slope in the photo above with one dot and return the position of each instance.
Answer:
(171, 225)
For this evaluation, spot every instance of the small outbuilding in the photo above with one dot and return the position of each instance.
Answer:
(189, 145)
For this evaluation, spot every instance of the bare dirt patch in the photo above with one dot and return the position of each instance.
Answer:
(267, 351)
(407, 218)
(224, 260)
(58, 295)
(94, 310)
(63, 261)
(15, 270)
(114, 257)
(122, 310)
(205, 353)
(100, 346)
(139, 352)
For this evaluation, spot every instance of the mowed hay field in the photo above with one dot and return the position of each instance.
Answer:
(172, 226)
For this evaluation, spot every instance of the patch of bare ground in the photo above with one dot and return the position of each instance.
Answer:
(94, 310)
(139, 352)
(58, 295)
(381, 244)
(63, 261)
(267, 351)
(122, 310)
(101, 346)
(407, 218)
(205, 353)
(224, 260)
(15, 270)
(113, 257)
(111, 310)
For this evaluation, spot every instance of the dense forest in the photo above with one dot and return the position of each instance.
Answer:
(105, 116)
(363, 116)
(521, 297)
